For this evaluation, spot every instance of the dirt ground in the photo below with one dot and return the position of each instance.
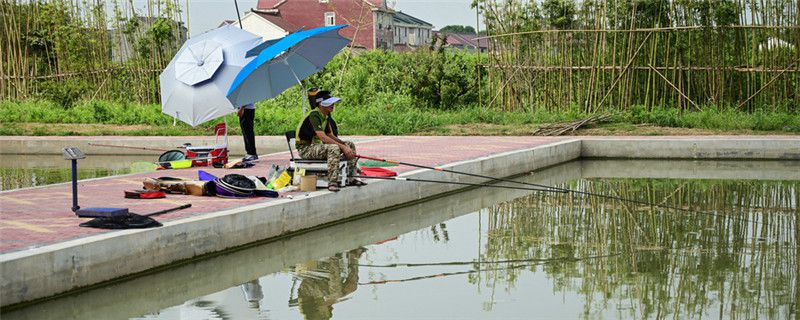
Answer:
(616, 129)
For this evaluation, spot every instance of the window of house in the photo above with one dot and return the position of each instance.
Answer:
(330, 19)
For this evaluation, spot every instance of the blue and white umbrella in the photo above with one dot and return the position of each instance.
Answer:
(285, 62)
(195, 83)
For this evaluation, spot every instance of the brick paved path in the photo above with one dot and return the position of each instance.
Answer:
(41, 216)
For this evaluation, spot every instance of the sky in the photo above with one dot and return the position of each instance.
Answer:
(207, 14)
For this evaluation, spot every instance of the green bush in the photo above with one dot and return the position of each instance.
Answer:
(64, 93)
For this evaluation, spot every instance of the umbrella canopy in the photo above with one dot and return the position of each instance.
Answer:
(286, 62)
(194, 84)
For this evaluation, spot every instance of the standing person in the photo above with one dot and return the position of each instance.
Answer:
(316, 141)
(247, 115)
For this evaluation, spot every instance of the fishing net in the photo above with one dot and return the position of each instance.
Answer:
(373, 163)
(130, 221)
(171, 155)
(239, 182)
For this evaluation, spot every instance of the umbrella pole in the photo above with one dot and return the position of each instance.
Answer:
(302, 101)
(239, 15)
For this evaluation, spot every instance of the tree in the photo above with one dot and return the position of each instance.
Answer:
(458, 29)
(560, 14)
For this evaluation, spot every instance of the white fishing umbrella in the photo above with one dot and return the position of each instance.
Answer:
(195, 83)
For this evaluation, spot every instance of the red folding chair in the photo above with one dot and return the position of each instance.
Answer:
(210, 155)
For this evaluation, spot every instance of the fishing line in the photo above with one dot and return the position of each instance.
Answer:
(459, 183)
(446, 274)
(548, 188)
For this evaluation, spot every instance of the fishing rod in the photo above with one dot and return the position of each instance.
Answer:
(456, 172)
(554, 189)
(459, 183)
(126, 147)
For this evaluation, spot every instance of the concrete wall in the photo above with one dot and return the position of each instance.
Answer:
(751, 148)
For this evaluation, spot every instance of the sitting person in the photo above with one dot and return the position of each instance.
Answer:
(317, 140)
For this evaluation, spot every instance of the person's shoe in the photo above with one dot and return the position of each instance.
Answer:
(250, 157)
(355, 182)
(333, 186)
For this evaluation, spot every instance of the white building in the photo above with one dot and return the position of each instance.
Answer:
(410, 31)
(265, 23)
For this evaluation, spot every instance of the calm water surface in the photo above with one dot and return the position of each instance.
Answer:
(725, 249)
(25, 171)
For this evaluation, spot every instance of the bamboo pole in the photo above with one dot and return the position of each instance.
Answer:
(674, 87)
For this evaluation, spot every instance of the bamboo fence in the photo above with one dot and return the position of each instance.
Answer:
(611, 59)
(88, 48)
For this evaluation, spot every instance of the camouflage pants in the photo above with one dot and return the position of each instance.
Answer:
(333, 154)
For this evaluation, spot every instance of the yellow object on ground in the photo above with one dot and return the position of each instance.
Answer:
(282, 181)
(181, 164)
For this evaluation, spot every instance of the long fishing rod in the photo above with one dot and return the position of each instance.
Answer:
(554, 189)
(126, 147)
(456, 172)
(460, 183)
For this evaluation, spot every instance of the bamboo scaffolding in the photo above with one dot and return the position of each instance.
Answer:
(690, 61)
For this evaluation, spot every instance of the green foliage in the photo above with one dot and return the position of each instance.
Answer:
(652, 13)
(440, 79)
(711, 117)
(457, 29)
(65, 92)
(560, 14)
(385, 114)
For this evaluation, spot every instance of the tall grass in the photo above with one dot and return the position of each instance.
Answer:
(384, 115)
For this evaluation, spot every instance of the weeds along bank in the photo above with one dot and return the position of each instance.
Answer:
(386, 115)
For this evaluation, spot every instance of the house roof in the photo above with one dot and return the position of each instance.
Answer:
(226, 22)
(463, 39)
(402, 47)
(272, 4)
(276, 19)
(401, 17)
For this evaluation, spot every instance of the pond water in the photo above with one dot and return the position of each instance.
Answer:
(25, 171)
(721, 244)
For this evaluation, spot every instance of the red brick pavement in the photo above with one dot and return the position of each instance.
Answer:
(41, 216)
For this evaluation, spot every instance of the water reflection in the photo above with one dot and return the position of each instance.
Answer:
(17, 178)
(24, 171)
(326, 282)
(736, 259)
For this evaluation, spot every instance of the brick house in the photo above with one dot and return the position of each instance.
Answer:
(371, 22)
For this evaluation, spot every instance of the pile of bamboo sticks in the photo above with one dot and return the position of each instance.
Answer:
(569, 127)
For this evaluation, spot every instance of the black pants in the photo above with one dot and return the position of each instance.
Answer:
(246, 122)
